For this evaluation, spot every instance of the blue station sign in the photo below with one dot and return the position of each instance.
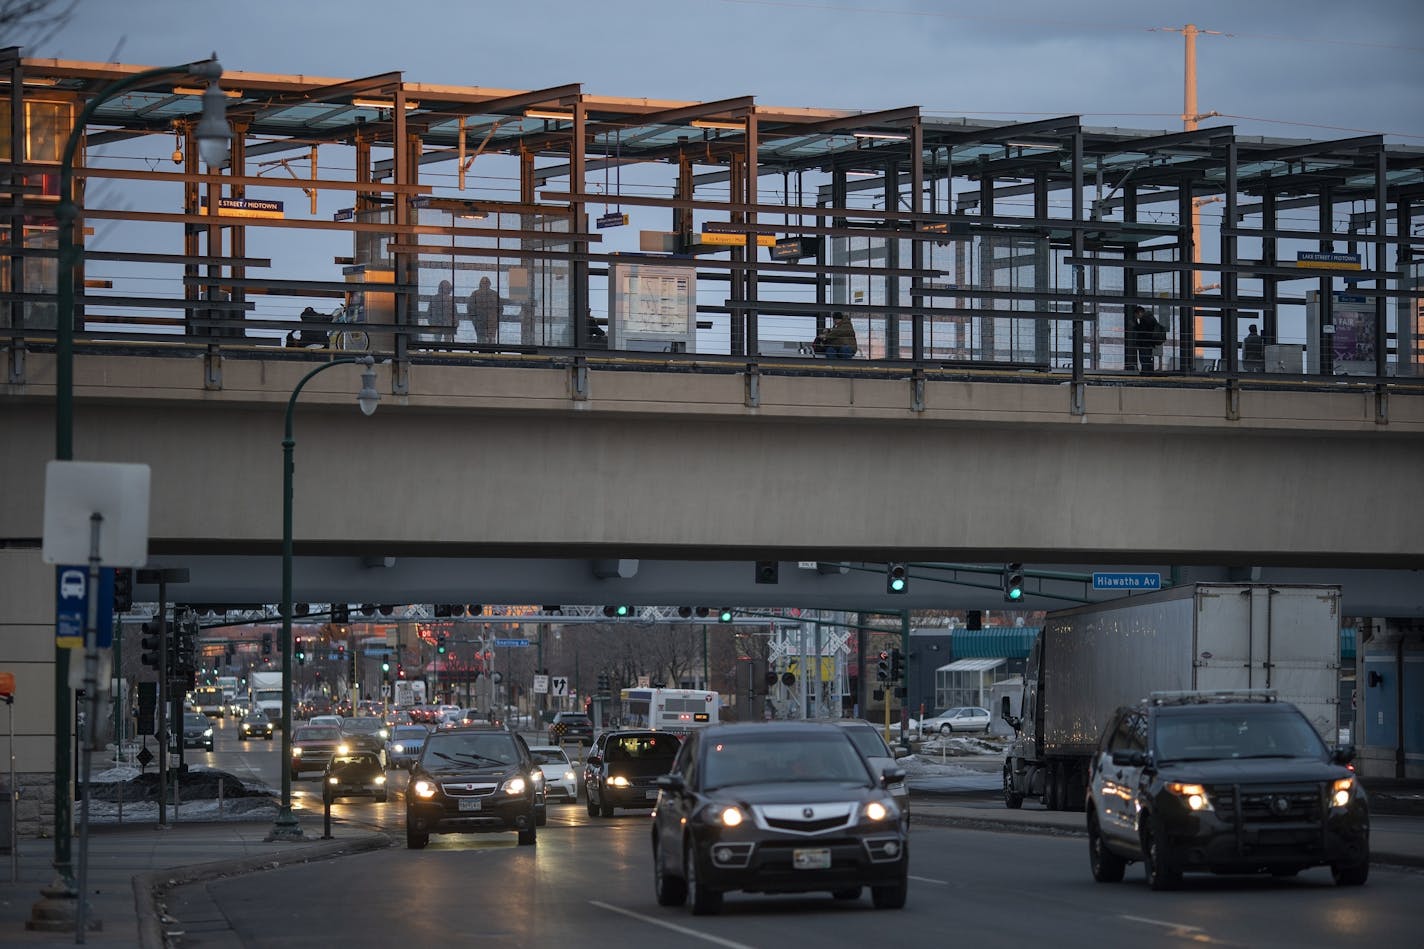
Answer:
(1127, 581)
(71, 606)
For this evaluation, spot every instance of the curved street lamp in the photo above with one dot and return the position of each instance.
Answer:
(53, 911)
(286, 826)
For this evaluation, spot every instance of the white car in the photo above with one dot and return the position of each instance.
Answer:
(560, 780)
(967, 719)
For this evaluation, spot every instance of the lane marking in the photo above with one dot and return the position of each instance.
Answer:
(1182, 927)
(928, 879)
(684, 930)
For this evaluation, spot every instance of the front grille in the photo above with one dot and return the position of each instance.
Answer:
(793, 819)
(466, 789)
(1257, 805)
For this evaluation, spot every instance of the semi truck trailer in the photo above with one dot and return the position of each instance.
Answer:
(1091, 660)
(266, 689)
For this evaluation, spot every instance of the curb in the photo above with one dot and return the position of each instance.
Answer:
(150, 887)
(1377, 857)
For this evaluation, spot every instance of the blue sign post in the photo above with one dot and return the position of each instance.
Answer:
(71, 606)
(1127, 581)
(511, 642)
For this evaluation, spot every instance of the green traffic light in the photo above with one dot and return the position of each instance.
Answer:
(622, 611)
(725, 616)
(385, 667)
(897, 584)
(1016, 594)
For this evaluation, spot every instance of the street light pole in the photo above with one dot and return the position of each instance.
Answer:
(53, 913)
(286, 827)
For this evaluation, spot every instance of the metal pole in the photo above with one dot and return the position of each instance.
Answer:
(14, 799)
(286, 827)
(162, 702)
(91, 692)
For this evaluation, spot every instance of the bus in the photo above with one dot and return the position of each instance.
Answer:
(208, 700)
(674, 710)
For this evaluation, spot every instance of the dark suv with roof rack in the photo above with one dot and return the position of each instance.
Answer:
(478, 779)
(1231, 782)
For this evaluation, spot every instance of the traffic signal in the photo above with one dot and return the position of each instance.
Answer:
(123, 589)
(266, 644)
(882, 667)
(724, 615)
(685, 612)
(301, 652)
(897, 578)
(440, 644)
(385, 665)
(341, 612)
(474, 609)
(897, 665)
(771, 678)
(767, 571)
(1013, 582)
(152, 643)
(442, 610)
(400, 671)
(618, 611)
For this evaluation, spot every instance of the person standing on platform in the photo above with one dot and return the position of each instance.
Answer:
(1253, 351)
(441, 312)
(483, 309)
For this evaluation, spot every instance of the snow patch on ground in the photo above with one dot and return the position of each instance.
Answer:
(954, 745)
(232, 809)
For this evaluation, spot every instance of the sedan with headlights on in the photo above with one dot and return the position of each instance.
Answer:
(255, 724)
(560, 781)
(358, 774)
(784, 807)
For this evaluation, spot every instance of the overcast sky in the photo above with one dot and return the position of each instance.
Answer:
(1296, 68)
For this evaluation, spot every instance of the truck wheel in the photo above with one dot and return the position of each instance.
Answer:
(1352, 874)
(671, 890)
(1107, 866)
(946, 729)
(705, 902)
(892, 896)
(1012, 800)
(415, 841)
(529, 837)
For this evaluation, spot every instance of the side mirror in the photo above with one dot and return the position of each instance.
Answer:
(1129, 759)
(1006, 712)
(1343, 755)
(891, 776)
(902, 752)
(594, 760)
(672, 783)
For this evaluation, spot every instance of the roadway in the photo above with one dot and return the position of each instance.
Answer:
(589, 881)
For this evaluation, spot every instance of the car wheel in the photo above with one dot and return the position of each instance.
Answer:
(705, 902)
(296, 775)
(1012, 800)
(1352, 874)
(529, 836)
(1157, 858)
(592, 807)
(891, 896)
(671, 890)
(946, 729)
(382, 798)
(605, 809)
(1107, 866)
(415, 841)
(849, 893)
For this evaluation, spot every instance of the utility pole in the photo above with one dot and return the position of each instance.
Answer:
(1190, 118)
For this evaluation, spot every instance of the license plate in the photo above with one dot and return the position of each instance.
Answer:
(470, 804)
(811, 859)
(651, 795)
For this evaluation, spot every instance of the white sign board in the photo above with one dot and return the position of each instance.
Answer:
(541, 684)
(77, 490)
(558, 685)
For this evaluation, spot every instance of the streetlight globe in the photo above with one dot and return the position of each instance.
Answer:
(213, 133)
(368, 398)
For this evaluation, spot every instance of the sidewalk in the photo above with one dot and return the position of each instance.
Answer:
(129, 864)
(1394, 838)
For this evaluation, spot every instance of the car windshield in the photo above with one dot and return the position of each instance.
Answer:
(255, 717)
(362, 726)
(317, 733)
(868, 742)
(410, 733)
(356, 761)
(1236, 733)
(574, 719)
(196, 721)
(481, 748)
(762, 759)
(549, 756)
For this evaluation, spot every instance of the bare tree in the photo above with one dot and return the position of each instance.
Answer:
(30, 23)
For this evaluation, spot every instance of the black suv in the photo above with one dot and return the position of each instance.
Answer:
(623, 769)
(571, 726)
(1226, 782)
(471, 780)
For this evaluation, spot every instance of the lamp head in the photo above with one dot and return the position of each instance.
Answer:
(213, 133)
(368, 398)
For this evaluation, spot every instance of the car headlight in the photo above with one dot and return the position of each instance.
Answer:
(1341, 793)
(538, 777)
(398, 748)
(343, 749)
(380, 779)
(1193, 795)
(384, 734)
(246, 727)
(333, 780)
(569, 776)
(876, 811)
(514, 785)
(424, 789)
(618, 781)
(296, 752)
(208, 733)
(730, 816)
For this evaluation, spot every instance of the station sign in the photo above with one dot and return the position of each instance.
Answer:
(1127, 581)
(736, 240)
(1322, 259)
(612, 219)
(795, 248)
(71, 606)
(250, 207)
